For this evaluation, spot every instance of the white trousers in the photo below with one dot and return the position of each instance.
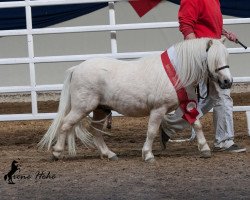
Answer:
(222, 104)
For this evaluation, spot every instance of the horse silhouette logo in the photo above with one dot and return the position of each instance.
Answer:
(14, 167)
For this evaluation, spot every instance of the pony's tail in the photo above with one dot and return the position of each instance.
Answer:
(83, 134)
(5, 177)
(64, 107)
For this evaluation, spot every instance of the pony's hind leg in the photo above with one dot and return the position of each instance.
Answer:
(97, 124)
(72, 118)
(202, 143)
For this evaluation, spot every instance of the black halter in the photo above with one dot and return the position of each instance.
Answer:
(221, 68)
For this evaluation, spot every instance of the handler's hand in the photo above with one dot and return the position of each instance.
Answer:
(231, 36)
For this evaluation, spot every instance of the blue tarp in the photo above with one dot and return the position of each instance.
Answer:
(237, 8)
(43, 16)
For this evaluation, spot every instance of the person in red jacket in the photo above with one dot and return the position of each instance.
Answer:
(203, 18)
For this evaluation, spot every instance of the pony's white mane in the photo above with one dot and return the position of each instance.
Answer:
(193, 59)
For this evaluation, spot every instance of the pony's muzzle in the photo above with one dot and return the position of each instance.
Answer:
(226, 83)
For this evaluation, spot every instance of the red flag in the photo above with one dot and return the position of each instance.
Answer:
(143, 6)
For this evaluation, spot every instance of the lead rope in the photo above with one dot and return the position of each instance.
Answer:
(198, 91)
(91, 121)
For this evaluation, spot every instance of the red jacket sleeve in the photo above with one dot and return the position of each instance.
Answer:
(188, 15)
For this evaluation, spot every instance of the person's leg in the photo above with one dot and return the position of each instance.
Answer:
(169, 125)
(223, 117)
(223, 121)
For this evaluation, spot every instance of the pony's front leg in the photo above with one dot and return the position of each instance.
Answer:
(155, 118)
(202, 143)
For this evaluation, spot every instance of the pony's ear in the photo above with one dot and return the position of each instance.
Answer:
(209, 44)
(223, 39)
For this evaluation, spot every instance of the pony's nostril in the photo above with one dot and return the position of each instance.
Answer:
(227, 84)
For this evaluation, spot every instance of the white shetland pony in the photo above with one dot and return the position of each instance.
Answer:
(133, 88)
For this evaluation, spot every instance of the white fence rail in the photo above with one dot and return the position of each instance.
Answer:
(33, 88)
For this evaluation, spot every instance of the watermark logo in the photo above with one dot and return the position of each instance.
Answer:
(15, 166)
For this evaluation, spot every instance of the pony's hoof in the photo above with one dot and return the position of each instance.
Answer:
(109, 126)
(206, 154)
(114, 158)
(56, 155)
(150, 160)
(53, 158)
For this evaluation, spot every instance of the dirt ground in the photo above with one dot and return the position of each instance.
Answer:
(178, 173)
